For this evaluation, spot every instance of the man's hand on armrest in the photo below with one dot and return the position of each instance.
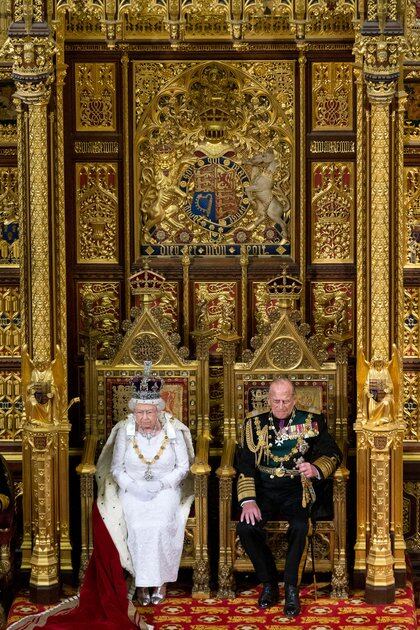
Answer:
(250, 512)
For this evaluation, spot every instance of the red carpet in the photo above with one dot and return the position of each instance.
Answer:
(179, 612)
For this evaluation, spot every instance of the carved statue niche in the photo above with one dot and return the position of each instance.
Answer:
(44, 389)
(378, 387)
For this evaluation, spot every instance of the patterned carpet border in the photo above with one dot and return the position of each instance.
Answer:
(180, 612)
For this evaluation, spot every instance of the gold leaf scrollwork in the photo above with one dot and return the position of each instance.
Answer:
(146, 347)
(215, 132)
(412, 214)
(95, 97)
(332, 96)
(99, 311)
(411, 398)
(11, 410)
(333, 309)
(285, 353)
(333, 212)
(411, 347)
(97, 211)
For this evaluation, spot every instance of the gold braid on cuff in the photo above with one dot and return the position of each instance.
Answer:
(326, 465)
(246, 488)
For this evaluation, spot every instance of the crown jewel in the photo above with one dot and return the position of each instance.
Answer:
(146, 386)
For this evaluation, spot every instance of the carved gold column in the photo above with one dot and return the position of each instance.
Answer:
(186, 262)
(60, 295)
(378, 51)
(399, 545)
(203, 339)
(361, 238)
(200, 468)
(380, 583)
(127, 184)
(44, 580)
(45, 436)
(302, 143)
(362, 506)
(228, 339)
(244, 260)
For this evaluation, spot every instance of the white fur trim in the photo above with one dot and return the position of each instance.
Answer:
(109, 505)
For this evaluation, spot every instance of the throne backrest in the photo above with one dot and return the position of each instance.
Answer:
(314, 393)
(115, 390)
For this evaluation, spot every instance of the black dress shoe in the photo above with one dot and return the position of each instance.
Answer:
(269, 596)
(291, 601)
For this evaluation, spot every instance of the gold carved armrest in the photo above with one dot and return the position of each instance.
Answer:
(87, 465)
(226, 468)
(341, 474)
(201, 464)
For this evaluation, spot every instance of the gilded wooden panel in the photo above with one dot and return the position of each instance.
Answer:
(217, 20)
(411, 516)
(332, 96)
(332, 204)
(411, 347)
(99, 310)
(411, 397)
(210, 301)
(97, 212)
(5, 19)
(8, 116)
(11, 405)
(328, 20)
(10, 322)
(9, 222)
(216, 414)
(168, 302)
(332, 310)
(264, 306)
(412, 110)
(214, 156)
(95, 97)
(412, 215)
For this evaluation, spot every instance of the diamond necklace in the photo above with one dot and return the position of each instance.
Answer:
(148, 475)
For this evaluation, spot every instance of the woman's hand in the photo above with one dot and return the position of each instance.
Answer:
(154, 486)
(141, 490)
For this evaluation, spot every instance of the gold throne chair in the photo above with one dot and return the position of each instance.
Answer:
(108, 390)
(282, 349)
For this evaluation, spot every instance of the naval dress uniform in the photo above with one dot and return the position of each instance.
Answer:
(270, 451)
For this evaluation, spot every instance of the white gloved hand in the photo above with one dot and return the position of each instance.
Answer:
(140, 489)
(154, 487)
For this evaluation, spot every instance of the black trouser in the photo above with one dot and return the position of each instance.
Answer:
(277, 498)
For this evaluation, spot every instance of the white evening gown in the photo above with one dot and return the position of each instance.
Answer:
(155, 528)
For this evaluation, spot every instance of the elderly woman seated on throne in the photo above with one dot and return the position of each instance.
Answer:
(145, 493)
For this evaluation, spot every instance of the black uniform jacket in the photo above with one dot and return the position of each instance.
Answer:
(306, 437)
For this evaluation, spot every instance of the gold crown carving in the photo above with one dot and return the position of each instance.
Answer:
(147, 283)
(285, 288)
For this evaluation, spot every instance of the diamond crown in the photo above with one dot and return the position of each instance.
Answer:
(146, 386)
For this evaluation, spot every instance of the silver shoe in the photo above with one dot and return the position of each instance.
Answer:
(158, 594)
(143, 595)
